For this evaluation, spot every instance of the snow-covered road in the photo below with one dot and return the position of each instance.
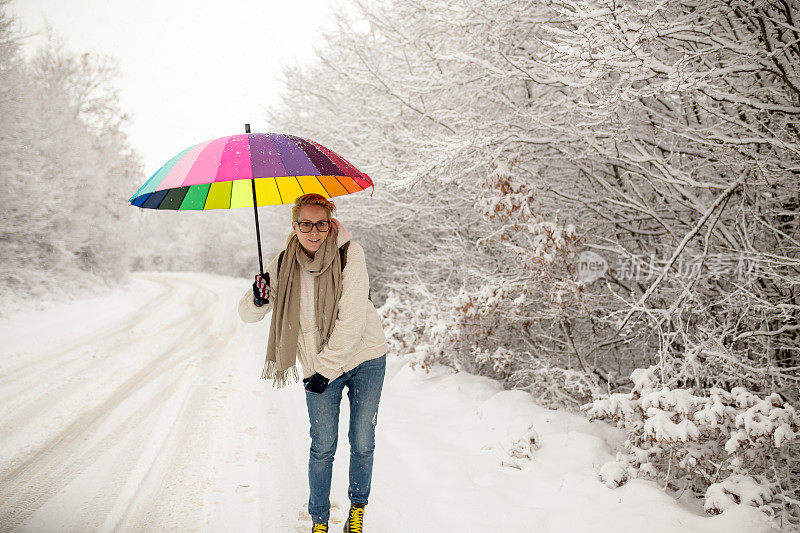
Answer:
(143, 411)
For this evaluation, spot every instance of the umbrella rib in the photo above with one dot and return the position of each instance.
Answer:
(323, 186)
(346, 188)
(298, 184)
(205, 200)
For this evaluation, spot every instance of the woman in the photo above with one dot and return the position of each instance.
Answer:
(322, 315)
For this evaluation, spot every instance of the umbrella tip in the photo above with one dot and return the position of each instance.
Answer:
(247, 128)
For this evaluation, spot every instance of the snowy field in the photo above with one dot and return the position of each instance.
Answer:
(143, 411)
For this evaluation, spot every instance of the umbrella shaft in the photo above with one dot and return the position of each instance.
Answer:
(258, 232)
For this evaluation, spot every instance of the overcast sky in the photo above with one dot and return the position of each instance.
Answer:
(193, 70)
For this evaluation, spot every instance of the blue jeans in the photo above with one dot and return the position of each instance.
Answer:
(364, 384)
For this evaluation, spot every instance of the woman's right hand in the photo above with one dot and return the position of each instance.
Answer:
(261, 290)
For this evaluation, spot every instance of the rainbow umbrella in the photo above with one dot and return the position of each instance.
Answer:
(249, 170)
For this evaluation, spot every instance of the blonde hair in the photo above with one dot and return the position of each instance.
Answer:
(312, 199)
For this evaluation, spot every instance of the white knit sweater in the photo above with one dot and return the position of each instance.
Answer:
(357, 332)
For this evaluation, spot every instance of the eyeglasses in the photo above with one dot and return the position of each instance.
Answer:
(322, 226)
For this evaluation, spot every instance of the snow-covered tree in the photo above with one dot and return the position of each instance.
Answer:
(506, 138)
(65, 170)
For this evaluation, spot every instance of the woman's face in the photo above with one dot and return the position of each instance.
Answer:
(311, 241)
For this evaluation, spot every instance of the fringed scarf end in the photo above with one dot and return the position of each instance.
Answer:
(280, 378)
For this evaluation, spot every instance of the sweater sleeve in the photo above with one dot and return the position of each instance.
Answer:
(248, 310)
(351, 321)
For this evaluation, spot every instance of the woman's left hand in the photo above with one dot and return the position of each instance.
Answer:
(316, 383)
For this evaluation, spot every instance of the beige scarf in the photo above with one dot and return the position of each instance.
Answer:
(285, 327)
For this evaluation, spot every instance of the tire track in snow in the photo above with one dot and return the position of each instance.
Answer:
(24, 402)
(92, 337)
(178, 450)
(49, 472)
(39, 401)
(30, 483)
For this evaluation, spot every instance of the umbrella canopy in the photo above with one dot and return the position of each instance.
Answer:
(217, 174)
(249, 170)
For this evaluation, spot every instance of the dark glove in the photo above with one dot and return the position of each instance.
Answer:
(261, 290)
(316, 383)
